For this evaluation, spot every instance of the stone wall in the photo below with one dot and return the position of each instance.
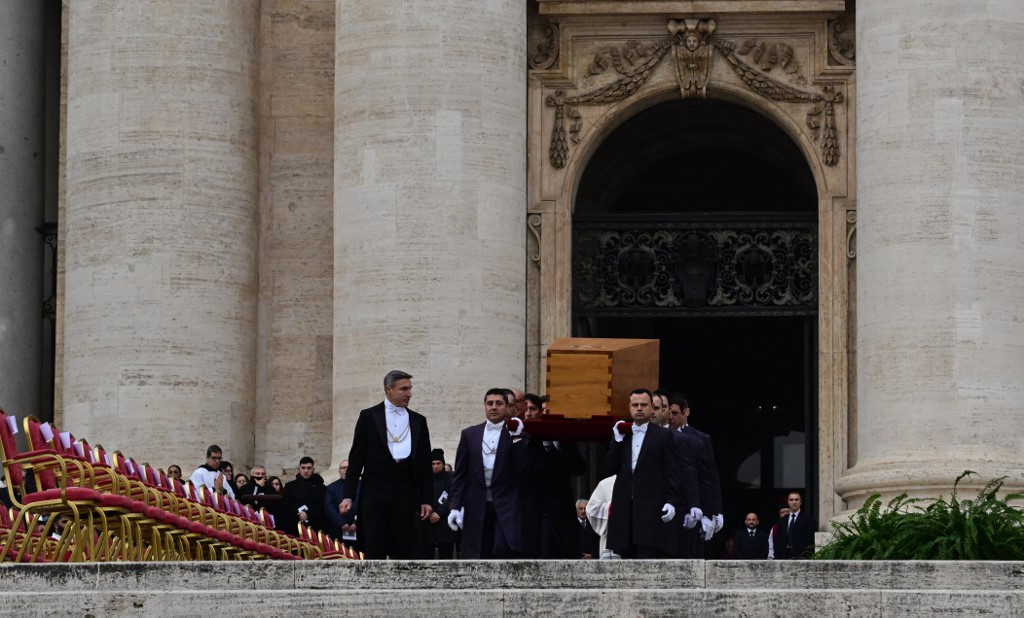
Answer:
(296, 125)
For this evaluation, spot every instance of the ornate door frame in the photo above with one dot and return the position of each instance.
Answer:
(590, 72)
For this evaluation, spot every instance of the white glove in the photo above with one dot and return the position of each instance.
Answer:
(689, 521)
(618, 435)
(709, 528)
(518, 424)
(696, 513)
(668, 512)
(719, 522)
(455, 519)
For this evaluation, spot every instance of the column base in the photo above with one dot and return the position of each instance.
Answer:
(924, 478)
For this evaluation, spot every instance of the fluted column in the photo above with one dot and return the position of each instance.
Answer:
(161, 219)
(940, 251)
(430, 183)
(22, 149)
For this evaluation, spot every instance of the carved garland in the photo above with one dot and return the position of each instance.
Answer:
(692, 43)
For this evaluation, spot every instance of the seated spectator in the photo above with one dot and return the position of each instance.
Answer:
(304, 499)
(241, 482)
(274, 487)
(174, 471)
(257, 482)
(229, 474)
(209, 474)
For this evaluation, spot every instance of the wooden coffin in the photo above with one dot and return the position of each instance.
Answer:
(593, 377)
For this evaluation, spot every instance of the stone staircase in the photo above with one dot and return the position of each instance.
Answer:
(493, 588)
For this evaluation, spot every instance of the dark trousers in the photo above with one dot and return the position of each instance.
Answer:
(692, 543)
(444, 550)
(494, 544)
(389, 524)
(641, 552)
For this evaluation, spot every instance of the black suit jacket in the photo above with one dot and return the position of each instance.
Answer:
(639, 495)
(370, 458)
(746, 548)
(796, 540)
(590, 541)
(707, 470)
(548, 485)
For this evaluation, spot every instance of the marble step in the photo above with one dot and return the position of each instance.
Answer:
(491, 588)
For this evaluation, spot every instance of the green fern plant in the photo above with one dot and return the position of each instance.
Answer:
(985, 528)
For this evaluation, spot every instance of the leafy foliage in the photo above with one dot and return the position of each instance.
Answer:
(986, 528)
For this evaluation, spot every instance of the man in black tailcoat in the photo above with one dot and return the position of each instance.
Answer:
(391, 452)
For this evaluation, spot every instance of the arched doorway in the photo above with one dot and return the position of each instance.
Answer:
(695, 222)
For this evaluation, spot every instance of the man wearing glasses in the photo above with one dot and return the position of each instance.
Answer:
(209, 473)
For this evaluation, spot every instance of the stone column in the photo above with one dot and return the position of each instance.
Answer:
(161, 218)
(430, 212)
(22, 149)
(940, 251)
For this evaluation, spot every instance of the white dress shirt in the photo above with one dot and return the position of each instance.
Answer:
(639, 431)
(397, 421)
(489, 450)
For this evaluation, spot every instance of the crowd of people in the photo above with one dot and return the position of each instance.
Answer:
(510, 495)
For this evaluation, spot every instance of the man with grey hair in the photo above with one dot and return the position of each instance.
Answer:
(257, 484)
(391, 452)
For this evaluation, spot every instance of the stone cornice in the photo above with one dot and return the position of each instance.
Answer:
(685, 7)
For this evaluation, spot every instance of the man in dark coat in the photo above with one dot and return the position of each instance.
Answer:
(339, 524)
(391, 453)
(437, 536)
(750, 543)
(304, 499)
(796, 532)
(590, 541)
(690, 542)
(648, 478)
(552, 466)
(485, 495)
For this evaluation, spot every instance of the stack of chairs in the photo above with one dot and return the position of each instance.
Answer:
(120, 510)
(330, 549)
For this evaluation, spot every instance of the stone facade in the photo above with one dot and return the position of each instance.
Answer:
(601, 69)
(270, 204)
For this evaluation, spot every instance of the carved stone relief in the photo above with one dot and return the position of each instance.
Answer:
(851, 234)
(692, 49)
(842, 42)
(545, 51)
(533, 223)
(693, 43)
(820, 119)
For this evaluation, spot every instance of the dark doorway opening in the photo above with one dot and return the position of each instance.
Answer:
(696, 223)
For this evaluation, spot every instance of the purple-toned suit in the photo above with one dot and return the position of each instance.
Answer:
(469, 489)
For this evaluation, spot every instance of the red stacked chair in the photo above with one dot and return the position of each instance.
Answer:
(56, 493)
(121, 510)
